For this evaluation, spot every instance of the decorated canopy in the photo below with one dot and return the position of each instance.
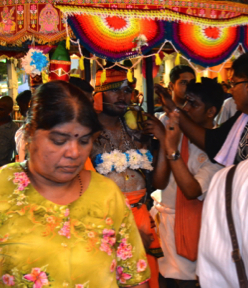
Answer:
(206, 32)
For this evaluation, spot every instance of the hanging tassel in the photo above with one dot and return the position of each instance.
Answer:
(81, 63)
(129, 76)
(219, 78)
(198, 78)
(177, 61)
(103, 76)
(158, 60)
(68, 45)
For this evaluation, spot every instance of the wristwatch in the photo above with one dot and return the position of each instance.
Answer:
(174, 156)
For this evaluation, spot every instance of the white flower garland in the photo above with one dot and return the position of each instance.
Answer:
(119, 161)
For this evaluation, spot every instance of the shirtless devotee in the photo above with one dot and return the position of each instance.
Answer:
(227, 144)
(120, 155)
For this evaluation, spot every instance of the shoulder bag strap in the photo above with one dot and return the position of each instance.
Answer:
(237, 259)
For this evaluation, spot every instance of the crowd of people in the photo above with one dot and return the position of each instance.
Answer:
(76, 211)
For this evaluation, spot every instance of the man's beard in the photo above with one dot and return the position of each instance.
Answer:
(109, 109)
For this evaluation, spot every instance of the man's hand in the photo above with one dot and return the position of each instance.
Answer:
(146, 239)
(173, 133)
(165, 97)
(154, 126)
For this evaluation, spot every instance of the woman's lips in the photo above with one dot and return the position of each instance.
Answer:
(69, 169)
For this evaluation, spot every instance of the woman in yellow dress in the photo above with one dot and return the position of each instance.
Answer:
(60, 225)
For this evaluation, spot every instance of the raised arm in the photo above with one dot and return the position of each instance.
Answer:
(194, 132)
(184, 179)
(161, 170)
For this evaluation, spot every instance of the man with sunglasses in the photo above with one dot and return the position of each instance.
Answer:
(228, 143)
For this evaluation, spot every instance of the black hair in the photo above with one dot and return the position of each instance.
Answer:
(82, 84)
(209, 91)
(179, 69)
(24, 97)
(59, 102)
(240, 66)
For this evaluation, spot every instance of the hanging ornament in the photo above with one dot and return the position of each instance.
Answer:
(81, 63)
(219, 78)
(34, 62)
(198, 78)
(60, 64)
(140, 41)
(177, 60)
(68, 44)
(158, 60)
(103, 76)
(129, 76)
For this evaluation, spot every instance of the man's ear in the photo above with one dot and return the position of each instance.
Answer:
(211, 112)
(171, 86)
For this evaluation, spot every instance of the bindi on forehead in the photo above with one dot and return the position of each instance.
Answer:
(76, 135)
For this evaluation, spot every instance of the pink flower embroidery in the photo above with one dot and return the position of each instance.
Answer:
(67, 212)
(113, 266)
(38, 277)
(124, 250)
(141, 265)
(109, 236)
(106, 248)
(65, 230)
(21, 179)
(108, 240)
(8, 280)
(121, 276)
(109, 221)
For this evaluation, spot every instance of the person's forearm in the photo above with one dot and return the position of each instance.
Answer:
(161, 172)
(193, 131)
(185, 180)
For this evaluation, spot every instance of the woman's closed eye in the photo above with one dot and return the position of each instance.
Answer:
(59, 141)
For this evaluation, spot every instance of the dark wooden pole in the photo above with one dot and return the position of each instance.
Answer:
(149, 86)
(87, 65)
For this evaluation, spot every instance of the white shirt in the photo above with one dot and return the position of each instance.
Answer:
(228, 109)
(172, 265)
(215, 266)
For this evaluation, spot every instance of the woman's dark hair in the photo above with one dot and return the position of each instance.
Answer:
(209, 91)
(59, 102)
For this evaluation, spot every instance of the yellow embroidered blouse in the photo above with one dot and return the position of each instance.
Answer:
(92, 242)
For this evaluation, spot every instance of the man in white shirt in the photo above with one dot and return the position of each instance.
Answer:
(228, 109)
(215, 266)
(203, 103)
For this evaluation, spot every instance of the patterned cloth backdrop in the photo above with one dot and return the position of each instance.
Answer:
(41, 22)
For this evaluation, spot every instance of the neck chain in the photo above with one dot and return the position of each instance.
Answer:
(81, 185)
(26, 170)
(127, 143)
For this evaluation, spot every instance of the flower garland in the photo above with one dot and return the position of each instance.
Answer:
(34, 62)
(119, 161)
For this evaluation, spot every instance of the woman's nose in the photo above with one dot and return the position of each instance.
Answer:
(73, 150)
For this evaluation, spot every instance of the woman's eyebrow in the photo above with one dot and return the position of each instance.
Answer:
(57, 133)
